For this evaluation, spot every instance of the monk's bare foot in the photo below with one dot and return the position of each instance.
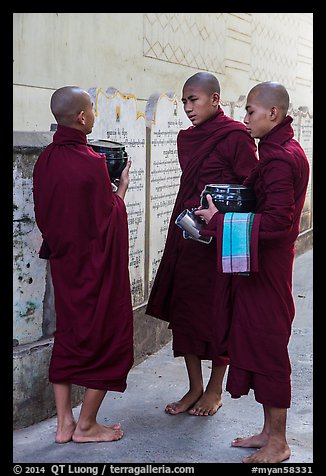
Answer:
(64, 433)
(98, 433)
(255, 441)
(184, 404)
(272, 452)
(116, 426)
(207, 405)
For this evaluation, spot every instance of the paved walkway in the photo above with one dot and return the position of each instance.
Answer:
(153, 436)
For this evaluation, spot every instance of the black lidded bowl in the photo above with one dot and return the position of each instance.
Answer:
(116, 156)
(229, 197)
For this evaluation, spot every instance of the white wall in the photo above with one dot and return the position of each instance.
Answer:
(145, 53)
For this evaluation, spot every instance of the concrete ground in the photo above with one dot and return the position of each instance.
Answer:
(153, 436)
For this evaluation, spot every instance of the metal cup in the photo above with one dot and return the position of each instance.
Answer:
(191, 225)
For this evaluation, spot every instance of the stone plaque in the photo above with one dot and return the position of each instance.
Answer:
(165, 118)
(295, 114)
(306, 142)
(306, 134)
(117, 119)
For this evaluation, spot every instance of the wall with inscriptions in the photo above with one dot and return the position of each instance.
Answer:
(150, 140)
(144, 55)
(117, 119)
(166, 117)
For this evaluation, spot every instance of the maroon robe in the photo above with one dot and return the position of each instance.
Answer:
(187, 291)
(85, 227)
(263, 306)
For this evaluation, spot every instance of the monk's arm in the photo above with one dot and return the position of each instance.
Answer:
(278, 190)
(242, 150)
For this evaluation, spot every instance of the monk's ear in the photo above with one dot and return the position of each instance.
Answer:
(81, 117)
(215, 99)
(274, 113)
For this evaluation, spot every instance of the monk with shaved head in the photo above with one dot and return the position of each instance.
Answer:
(263, 306)
(271, 93)
(187, 292)
(267, 106)
(207, 81)
(85, 237)
(67, 103)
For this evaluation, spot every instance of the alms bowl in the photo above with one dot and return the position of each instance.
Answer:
(115, 156)
(229, 197)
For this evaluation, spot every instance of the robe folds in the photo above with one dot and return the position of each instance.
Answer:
(84, 225)
(187, 291)
(263, 306)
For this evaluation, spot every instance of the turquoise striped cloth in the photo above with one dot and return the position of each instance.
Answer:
(236, 242)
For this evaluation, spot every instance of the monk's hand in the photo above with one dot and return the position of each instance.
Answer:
(124, 180)
(125, 173)
(206, 214)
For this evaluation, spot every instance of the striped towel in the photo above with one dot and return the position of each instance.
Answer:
(236, 242)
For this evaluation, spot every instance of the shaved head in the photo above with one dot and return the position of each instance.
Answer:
(67, 102)
(270, 94)
(206, 81)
